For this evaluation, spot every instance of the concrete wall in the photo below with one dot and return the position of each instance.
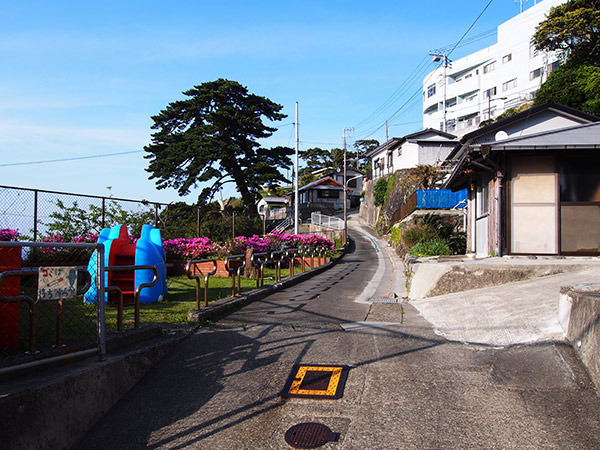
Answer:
(53, 409)
(580, 317)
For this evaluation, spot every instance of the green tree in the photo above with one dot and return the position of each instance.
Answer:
(575, 85)
(74, 221)
(211, 137)
(573, 29)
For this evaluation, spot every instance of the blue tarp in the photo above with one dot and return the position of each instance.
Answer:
(441, 199)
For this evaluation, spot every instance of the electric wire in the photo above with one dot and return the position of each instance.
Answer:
(75, 158)
(418, 72)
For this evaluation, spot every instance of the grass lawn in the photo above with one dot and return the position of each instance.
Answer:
(181, 298)
(79, 318)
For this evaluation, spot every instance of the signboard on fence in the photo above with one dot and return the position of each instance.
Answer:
(55, 283)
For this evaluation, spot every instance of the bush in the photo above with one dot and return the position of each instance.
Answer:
(432, 247)
(427, 234)
(417, 233)
(379, 191)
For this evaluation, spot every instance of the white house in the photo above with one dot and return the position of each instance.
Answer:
(427, 147)
(484, 84)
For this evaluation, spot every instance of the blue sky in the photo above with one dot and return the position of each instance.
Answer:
(81, 79)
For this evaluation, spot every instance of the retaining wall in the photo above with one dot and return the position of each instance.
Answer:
(580, 317)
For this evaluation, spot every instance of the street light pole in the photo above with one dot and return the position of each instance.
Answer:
(437, 57)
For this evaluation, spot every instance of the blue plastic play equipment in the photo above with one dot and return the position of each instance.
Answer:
(119, 251)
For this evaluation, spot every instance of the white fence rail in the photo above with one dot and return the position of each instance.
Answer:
(331, 222)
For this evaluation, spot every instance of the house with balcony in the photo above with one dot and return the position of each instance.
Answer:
(325, 195)
(427, 147)
(459, 95)
(354, 182)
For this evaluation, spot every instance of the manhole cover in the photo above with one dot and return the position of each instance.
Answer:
(310, 435)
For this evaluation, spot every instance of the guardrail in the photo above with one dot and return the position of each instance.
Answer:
(197, 278)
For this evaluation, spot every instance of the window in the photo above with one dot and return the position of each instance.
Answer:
(430, 90)
(328, 194)
(490, 92)
(483, 195)
(535, 74)
(352, 183)
(468, 76)
(533, 52)
(509, 85)
(579, 180)
(507, 58)
(489, 67)
(553, 66)
(390, 159)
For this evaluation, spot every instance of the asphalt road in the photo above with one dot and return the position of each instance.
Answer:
(407, 387)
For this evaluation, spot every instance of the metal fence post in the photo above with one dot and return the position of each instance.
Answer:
(35, 214)
(100, 302)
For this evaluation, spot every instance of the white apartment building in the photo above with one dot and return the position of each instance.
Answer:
(484, 84)
(427, 147)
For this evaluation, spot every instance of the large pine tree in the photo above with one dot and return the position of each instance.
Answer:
(211, 137)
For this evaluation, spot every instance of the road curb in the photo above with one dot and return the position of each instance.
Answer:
(228, 305)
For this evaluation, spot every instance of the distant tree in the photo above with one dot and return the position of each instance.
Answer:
(362, 148)
(573, 29)
(317, 158)
(212, 137)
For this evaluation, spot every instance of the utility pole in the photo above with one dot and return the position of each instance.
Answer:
(345, 193)
(296, 207)
(436, 56)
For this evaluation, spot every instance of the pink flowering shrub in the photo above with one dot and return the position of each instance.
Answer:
(195, 248)
(201, 248)
(7, 234)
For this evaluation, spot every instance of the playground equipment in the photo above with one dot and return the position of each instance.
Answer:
(119, 251)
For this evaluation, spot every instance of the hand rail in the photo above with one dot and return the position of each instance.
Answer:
(259, 260)
(138, 290)
(290, 256)
(233, 272)
(280, 256)
(197, 278)
(302, 254)
(32, 302)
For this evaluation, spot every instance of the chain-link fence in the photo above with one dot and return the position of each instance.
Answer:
(38, 214)
(42, 309)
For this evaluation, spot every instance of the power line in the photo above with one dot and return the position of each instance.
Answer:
(472, 25)
(418, 71)
(69, 159)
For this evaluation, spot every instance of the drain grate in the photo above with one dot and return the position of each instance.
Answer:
(310, 435)
(382, 300)
(316, 381)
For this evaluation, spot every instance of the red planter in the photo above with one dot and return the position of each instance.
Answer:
(178, 268)
(10, 259)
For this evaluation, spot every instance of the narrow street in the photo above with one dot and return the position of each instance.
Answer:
(406, 387)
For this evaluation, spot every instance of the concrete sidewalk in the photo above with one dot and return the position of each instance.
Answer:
(523, 312)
